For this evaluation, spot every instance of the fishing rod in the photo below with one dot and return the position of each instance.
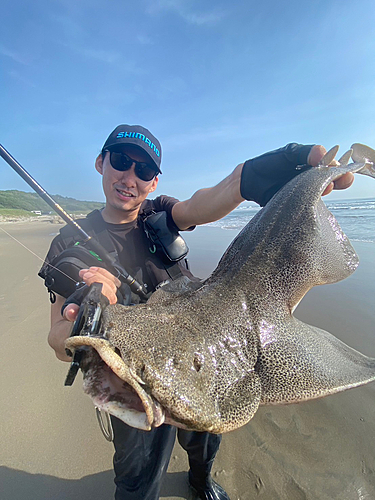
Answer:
(87, 240)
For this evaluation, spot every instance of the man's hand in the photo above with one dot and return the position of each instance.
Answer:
(316, 154)
(262, 177)
(95, 275)
(61, 325)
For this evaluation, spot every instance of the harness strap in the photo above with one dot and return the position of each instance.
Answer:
(94, 225)
(173, 269)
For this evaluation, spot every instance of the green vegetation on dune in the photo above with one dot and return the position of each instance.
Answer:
(14, 212)
(19, 200)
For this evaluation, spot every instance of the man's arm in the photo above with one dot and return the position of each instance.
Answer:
(60, 330)
(61, 325)
(210, 204)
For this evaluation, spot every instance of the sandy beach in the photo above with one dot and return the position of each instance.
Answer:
(51, 446)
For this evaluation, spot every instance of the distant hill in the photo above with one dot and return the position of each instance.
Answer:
(20, 200)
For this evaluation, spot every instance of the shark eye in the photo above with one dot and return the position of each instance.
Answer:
(197, 362)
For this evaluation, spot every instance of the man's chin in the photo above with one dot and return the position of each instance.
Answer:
(114, 212)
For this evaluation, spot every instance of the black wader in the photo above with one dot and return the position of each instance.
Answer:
(142, 457)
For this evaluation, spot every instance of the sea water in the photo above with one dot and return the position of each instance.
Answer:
(356, 217)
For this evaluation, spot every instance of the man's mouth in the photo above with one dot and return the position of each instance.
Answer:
(124, 193)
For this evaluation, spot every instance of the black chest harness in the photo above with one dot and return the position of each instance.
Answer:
(167, 245)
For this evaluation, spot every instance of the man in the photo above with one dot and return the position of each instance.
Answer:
(130, 164)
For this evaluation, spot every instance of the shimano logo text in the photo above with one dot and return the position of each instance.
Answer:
(137, 135)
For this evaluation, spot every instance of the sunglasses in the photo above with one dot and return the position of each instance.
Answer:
(123, 162)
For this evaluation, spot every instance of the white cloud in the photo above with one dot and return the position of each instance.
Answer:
(21, 79)
(18, 58)
(71, 29)
(144, 40)
(99, 54)
(124, 64)
(96, 54)
(226, 132)
(187, 10)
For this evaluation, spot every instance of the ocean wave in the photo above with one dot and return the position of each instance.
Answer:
(352, 205)
(356, 217)
(362, 241)
(246, 208)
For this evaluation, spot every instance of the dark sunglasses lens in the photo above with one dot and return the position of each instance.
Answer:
(120, 161)
(144, 171)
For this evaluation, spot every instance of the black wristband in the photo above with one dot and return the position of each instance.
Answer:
(264, 175)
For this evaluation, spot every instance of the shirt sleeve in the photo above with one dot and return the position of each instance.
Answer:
(164, 203)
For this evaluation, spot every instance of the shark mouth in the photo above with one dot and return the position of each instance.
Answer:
(114, 387)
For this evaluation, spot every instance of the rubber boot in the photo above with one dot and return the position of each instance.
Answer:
(208, 489)
(201, 448)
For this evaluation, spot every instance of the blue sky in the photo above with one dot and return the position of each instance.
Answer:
(216, 82)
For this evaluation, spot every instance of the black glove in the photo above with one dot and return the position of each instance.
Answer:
(264, 175)
(123, 295)
(77, 296)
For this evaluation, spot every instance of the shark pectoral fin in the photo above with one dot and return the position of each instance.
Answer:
(239, 403)
(304, 362)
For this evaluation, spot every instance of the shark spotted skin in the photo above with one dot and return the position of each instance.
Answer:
(204, 356)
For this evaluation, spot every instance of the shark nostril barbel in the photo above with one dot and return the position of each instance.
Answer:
(136, 377)
(197, 362)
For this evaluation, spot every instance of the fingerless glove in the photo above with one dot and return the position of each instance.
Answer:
(264, 175)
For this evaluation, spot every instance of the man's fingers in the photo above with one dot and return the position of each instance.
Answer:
(99, 275)
(109, 291)
(316, 154)
(95, 275)
(71, 311)
(344, 181)
(328, 189)
(99, 272)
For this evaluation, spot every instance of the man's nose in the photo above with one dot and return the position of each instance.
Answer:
(128, 176)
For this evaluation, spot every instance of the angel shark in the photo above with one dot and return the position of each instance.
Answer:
(204, 356)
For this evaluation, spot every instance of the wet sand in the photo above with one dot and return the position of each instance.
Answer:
(51, 447)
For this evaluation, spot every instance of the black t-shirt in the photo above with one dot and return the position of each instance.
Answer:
(135, 251)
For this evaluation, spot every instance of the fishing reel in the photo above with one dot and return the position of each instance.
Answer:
(88, 322)
(62, 274)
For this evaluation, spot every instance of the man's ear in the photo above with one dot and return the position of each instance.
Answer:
(99, 164)
(154, 185)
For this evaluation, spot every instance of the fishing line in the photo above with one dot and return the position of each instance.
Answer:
(37, 256)
(91, 243)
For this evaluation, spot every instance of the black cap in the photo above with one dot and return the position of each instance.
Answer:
(137, 136)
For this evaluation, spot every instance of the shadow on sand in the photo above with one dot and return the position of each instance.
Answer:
(20, 485)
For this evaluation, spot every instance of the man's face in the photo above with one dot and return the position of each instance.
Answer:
(124, 191)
